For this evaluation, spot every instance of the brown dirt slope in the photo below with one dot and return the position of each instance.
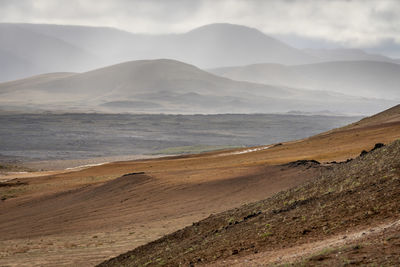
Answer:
(387, 116)
(138, 199)
(360, 193)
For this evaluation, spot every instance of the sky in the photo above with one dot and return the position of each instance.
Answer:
(350, 23)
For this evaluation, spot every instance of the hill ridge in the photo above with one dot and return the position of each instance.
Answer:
(169, 86)
(363, 78)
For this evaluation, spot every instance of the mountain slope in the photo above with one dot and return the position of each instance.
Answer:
(347, 55)
(39, 53)
(223, 45)
(361, 78)
(209, 45)
(169, 86)
(14, 66)
(342, 199)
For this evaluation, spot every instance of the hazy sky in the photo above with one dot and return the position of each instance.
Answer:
(348, 22)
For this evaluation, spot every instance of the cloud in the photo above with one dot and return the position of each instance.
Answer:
(349, 22)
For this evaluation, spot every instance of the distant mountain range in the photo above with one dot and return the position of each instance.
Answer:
(30, 49)
(168, 86)
(327, 55)
(65, 70)
(388, 46)
(372, 79)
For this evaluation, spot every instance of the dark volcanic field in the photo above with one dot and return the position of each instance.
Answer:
(73, 136)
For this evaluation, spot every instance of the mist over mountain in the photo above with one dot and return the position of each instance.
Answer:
(168, 86)
(362, 78)
(24, 52)
(49, 48)
(29, 49)
(326, 55)
(387, 47)
(65, 57)
(227, 44)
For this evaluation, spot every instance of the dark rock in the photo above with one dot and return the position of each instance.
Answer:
(378, 145)
(11, 184)
(306, 231)
(252, 215)
(303, 162)
(132, 173)
(341, 162)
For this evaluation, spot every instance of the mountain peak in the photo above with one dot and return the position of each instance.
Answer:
(224, 27)
(231, 31)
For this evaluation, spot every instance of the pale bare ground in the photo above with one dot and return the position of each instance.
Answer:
(77, 164)
(53, 167)
(8, 176)
(297, 253)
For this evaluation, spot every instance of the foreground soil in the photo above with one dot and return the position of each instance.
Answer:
(378, 246)
(90, 223)
(359, 194)
(84, 217)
